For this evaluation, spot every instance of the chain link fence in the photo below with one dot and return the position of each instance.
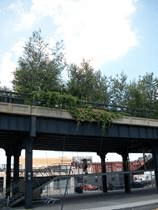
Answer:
(53, 193)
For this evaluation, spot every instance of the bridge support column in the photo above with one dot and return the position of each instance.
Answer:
(8, 173)
(126, 170)
(17, 153)
(28, 173)
(155, 159)
(103, 165)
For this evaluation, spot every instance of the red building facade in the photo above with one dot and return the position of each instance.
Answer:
(115, 166)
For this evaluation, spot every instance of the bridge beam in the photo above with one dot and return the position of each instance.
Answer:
(28, 173)
(103, 165)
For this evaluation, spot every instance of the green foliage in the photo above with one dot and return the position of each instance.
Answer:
(39, 74)
(118, 90)
(149, 86)
(155, 111)
(137, 98)
(54, 99)
(142, 97)
(72, 104)
(89, 114)
(39, 68)
(86, 83)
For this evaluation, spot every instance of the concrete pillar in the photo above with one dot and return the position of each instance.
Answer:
(104, 178)
(8, 173)
(28, 173)
(155, 160)
(126, 170)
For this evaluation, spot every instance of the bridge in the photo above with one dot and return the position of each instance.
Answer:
(40, 128)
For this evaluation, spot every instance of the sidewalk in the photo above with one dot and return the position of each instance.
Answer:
(108, 201)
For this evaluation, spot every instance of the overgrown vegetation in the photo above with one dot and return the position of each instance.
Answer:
(91, 114)
(39, 74)
(54, 99)
(80, 110)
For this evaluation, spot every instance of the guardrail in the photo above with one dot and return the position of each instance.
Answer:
(22, 98)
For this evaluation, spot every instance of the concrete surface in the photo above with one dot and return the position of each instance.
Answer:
(60, 113)
(144, 199)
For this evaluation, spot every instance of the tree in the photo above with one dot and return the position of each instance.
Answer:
(86, 83)
(118, 90)
(137, 100)
(38, 69)
(150, 87)
(142, 95)
(4, 88)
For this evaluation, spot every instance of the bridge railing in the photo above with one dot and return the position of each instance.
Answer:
(13, 97)
(23, 98)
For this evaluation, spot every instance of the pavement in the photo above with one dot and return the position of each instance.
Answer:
(140, 199)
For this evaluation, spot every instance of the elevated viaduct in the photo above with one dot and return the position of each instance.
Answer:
(38, 128)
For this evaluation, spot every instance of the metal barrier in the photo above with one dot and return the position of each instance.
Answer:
(55, 203)
(5, 202)
(19, 98)
(55, 192)
(93, 182)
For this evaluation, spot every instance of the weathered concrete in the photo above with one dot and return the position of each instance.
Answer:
(60, 113)
(20, 109)
(137, 121)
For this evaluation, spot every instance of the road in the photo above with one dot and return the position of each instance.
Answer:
(142, 199)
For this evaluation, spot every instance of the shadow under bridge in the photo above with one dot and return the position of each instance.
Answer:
(38, 128)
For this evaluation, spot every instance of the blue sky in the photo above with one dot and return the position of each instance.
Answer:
(142, 57)
(116, 35)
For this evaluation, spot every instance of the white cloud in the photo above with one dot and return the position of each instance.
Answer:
(95, 29)
(26, 21)
(17, 49)
(100, 30)
(6, 68)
